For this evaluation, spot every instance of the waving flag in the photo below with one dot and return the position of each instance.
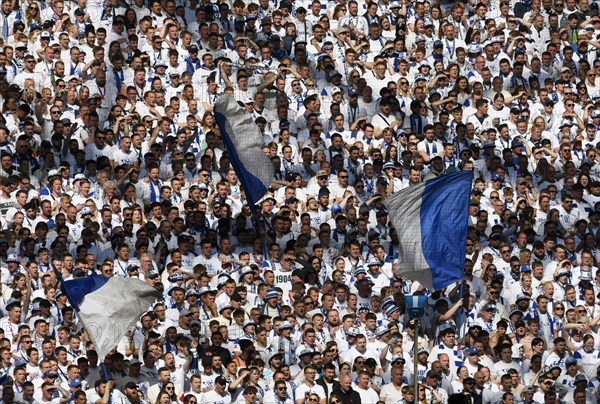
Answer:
(243, 141)
(109, 307)
(431, 219)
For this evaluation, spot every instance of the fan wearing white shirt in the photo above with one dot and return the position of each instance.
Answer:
(310, 387)
(428, 147)
(367, 394)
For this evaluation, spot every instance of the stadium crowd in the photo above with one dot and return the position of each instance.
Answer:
(111, 162)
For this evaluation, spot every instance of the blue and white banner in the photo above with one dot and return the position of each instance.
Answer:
(431, 219)
(243, 141)
(109, 307)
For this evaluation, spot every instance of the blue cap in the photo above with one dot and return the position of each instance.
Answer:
(272, 294)
(516, 143)
(473, 351)
(75, 383)
(359, 270)
(387, 302)
(495, 176)
(20, 362)
(570, 361)
(391, 309)
(525, 268)
(388, 164)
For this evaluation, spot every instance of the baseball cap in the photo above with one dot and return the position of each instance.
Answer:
(285, 325)
(473, 351)
(12, 258)
(75, 383)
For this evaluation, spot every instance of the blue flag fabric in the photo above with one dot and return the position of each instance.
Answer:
(431, 219)
(109, 307)
(243, 141)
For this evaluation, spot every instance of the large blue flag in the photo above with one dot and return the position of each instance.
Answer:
(243, 141)
(431, 219)
(109, 307)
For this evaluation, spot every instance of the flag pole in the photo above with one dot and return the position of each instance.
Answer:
(459, 322)
(415, 356)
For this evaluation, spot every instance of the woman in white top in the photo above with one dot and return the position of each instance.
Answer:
(18, 283)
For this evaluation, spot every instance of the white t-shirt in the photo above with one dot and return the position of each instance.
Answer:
(391, 394)
(303, 389)
(212, 397)
(367, 396)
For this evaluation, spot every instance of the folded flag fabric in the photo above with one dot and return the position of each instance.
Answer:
(109, 307)
(243, 141)
(431, 219)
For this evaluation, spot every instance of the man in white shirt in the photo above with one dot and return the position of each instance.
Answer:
(429, 147)
(11, 324)
(367, 394)
(310, 387)
(219, 394)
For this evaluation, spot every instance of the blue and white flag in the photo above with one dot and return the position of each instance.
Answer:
(243, 141)
(431, 219)
(109, 307)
